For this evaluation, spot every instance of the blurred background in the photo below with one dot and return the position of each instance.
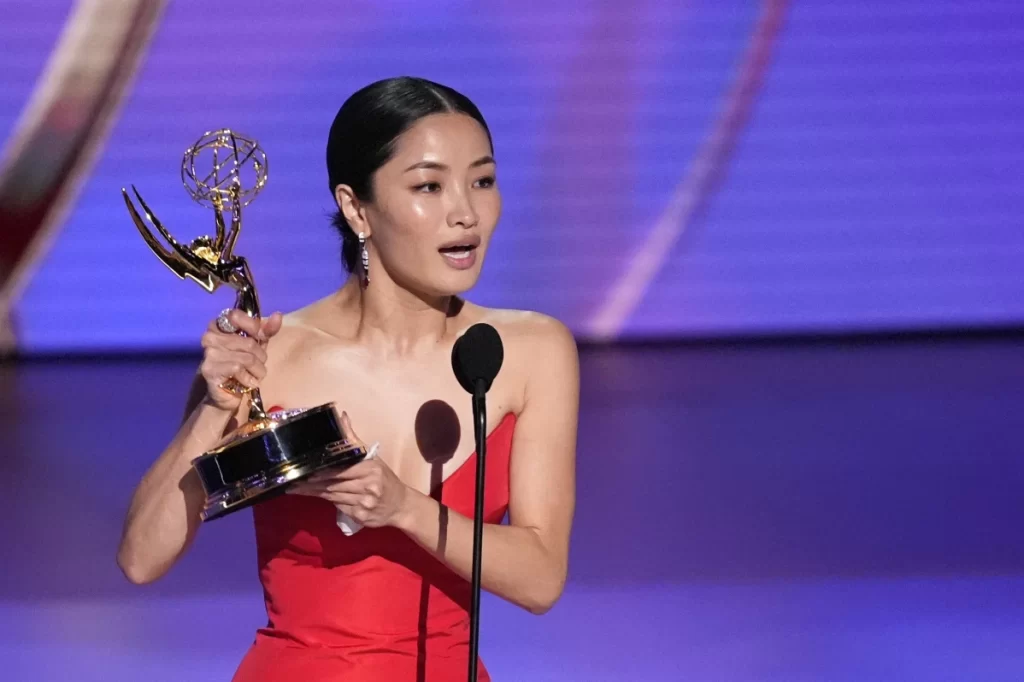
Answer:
(789, 236)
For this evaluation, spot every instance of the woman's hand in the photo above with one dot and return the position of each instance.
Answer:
(368, 492)
(229, 356)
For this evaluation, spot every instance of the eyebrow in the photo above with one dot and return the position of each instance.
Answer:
(434, 165)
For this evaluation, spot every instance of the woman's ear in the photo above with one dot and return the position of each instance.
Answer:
(352, 209)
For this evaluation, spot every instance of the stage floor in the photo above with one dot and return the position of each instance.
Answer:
(746, 513)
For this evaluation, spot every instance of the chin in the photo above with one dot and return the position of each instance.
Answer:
(456, 288)
(454, 283)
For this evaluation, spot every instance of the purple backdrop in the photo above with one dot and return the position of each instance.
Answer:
(873, 183)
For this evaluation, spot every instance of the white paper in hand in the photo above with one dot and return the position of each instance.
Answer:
(346, 523)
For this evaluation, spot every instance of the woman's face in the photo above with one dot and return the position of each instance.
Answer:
(435, 206)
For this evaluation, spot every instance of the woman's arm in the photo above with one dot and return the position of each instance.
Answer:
(163, 516)
(525, 562)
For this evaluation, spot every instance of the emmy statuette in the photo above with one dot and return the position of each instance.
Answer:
(271, 450)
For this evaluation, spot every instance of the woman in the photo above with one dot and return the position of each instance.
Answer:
(411, 167)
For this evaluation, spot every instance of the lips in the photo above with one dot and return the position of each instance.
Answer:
(462, 244)
(460, 255)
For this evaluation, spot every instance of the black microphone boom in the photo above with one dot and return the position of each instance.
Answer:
(476, 360)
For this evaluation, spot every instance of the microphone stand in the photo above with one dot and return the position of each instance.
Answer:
(480, 432)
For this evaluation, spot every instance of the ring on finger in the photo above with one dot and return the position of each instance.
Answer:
(224, 324)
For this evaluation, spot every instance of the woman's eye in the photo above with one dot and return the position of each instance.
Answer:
(486, 182)
(428, 187)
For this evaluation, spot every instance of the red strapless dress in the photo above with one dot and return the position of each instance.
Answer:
(371, 606)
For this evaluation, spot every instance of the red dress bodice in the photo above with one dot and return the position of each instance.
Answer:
(370, 606)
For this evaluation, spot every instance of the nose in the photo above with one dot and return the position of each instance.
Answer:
(462, 213)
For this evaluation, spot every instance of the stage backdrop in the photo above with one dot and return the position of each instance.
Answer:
(669, 168)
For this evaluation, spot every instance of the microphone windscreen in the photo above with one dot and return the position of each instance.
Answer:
(477, 356)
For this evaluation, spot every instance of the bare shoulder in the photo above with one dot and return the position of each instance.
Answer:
(296, 348)
(305, 319)
(532, 329)
(299, 328)
(538, 346)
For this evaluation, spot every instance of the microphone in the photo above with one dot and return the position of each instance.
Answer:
(476, 360)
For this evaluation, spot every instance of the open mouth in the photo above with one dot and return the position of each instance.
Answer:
(460, 251)
(459, 256)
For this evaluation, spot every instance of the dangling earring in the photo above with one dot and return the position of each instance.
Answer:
(366, 258)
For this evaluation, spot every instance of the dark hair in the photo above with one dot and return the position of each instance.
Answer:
(365, 130)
